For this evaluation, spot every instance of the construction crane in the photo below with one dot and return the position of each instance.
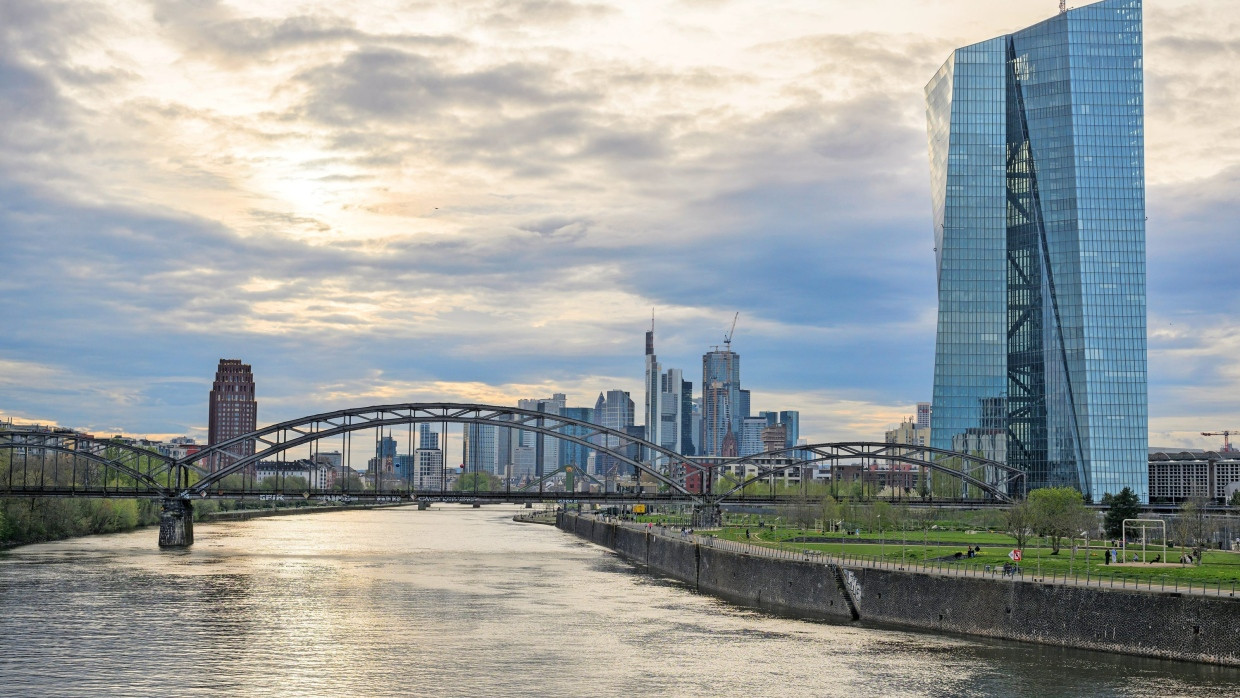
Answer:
(727, 338)
(1226, 434)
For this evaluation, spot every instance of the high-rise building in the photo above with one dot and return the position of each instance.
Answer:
(1038, 186)
(429, 473)
(671, 403)
(721, 399)
(790, 420)
(233, 411)
(614, 410)
(923, 415)
(546, 448)
(573, 453)
(687, 432)
(480, 448)
(750, 440)
(653, 414)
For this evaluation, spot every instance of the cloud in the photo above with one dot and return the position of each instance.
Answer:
(485, 200)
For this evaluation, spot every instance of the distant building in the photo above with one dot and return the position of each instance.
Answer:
(429, 472)
(314, 474)
(909, 432)
(1179, 475)
(233, 411)
(722, 409)
(546, 448)
(749, 441)
(923, 415)
(774, 437)
(480, 448)
(573, 453)
(653, 414)
(614, 410)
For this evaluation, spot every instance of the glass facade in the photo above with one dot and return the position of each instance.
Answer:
(1038, 195)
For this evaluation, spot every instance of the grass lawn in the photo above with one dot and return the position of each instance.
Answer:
(1217, 566)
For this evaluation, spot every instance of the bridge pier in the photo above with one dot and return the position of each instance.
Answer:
(176, 524)
(707, 516)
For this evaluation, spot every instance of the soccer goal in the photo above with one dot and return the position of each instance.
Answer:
(1144, 525)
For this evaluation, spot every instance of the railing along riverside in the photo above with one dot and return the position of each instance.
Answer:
(950, 569)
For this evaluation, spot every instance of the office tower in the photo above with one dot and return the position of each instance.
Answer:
(1037, 169)
(653, 414)
(573, 453)
(721, 399)
(688, 435)
(233, 411)
(480, 448)
(671, 402)
(429, 473)
(749, 441)
(772, 418)
(546, 448)
(615, 410)
(790, 420)
(774, 437)
(923, 415)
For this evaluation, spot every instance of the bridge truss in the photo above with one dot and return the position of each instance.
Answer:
(56, 464)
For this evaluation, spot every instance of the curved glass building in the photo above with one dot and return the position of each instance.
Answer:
(1038, 179)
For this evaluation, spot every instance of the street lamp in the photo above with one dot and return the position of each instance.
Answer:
(882, 536)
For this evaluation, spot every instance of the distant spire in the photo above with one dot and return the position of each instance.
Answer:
(1063, 6)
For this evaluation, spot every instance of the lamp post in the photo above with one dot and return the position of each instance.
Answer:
(882, 538)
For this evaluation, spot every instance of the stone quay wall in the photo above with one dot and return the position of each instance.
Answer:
(1147, 623)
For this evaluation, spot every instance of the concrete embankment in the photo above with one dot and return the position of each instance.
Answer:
(1148, 623)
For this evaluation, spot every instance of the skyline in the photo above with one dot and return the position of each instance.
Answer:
(348, 175)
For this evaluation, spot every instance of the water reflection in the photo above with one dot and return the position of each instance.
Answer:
(465, 602)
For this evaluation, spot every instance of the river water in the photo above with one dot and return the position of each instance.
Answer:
(465, 602)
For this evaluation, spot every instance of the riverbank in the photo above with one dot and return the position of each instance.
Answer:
(1146, 622)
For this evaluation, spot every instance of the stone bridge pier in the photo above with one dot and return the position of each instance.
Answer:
(176, 523)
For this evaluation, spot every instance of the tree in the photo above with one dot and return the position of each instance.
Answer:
(1018, 522)
(1235, 499)
(1193, 525)
(800, 512)
(831, 513)
(485, 482)
(1058, 513)
(1124, 505)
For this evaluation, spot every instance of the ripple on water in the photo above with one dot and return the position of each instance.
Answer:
(458, 601)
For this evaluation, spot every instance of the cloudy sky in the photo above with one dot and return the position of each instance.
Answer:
(483, 200)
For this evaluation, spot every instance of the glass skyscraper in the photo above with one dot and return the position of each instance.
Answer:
(1038, 181)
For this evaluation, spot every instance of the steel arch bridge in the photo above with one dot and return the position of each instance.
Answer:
(109, 468)
(1000, 481)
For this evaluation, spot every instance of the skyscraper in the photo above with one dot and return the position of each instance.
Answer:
(654, 412)
(546, 448)
(572, 453)
(721, 399)
(1038, 186)
(233, 410)
(614, 411)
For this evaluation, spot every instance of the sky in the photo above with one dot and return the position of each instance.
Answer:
(485, 200)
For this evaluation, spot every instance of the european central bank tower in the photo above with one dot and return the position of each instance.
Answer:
(1037, 163)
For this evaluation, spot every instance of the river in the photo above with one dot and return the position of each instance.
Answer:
(464, 602)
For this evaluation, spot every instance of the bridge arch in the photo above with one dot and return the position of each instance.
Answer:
(290, 434)
(1006, 476)
(129, 461)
